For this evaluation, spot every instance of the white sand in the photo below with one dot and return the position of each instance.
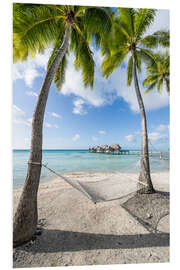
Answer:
(77, 232)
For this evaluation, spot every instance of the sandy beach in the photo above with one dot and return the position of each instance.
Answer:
(75, 231)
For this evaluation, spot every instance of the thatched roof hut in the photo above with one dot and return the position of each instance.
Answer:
(105, 148)
(116, 147)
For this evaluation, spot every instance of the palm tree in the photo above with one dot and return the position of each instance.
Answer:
(158, 73)
(129, 41)
(35, 28)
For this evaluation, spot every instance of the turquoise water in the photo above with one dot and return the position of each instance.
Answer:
(64, 161)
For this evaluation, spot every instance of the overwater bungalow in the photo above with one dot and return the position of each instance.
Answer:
(112, 149)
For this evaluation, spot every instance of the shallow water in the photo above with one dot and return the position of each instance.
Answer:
(64, 161)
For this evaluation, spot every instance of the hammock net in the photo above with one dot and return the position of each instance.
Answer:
(148, 209)
(107, 189)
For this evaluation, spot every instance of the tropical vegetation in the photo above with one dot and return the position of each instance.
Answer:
(158, 73)
(120, 34)
(130, 43)
(64, 28)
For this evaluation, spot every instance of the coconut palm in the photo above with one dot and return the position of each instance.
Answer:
(158, 73)
(63, 28)
(129, 41)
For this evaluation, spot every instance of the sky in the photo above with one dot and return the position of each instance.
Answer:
(77, 118)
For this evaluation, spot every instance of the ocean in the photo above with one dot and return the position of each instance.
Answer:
(65, 161)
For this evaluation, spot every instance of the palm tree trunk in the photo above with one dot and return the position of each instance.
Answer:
(144, 177)
(167, 87)
(26, 216)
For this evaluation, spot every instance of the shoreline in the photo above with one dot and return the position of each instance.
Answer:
(51, 178)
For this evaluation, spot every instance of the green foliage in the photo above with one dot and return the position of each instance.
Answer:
(84, 61)
(143, 19)
(97, 20)
(59, 77)
(37, 27)
(157, 38)
(138, 60)
(111, 62)
(128, 40)
(158, 73)
(129, 71)
(151, 86)
(34, 28)
(127, 18)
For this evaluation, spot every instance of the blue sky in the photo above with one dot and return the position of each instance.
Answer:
(78, 117)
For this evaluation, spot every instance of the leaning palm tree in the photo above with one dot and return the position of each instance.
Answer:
(129, 41)
(64, 28)
(158, 73)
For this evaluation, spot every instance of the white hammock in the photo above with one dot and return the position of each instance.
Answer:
(103, 190)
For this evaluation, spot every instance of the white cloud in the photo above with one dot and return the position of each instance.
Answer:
(31, 93)
(97, 97)
(161, 21)
(56, 126)
(19, 116)
(48, 125)
(94, 138)
(29, 120)
(103, 132)
(157, 137)
(76, 137)
(159, 134)
(104, 91)
(162, 128)
(153, 100)
(130, 138)
(137, 132)
(78, 107)
(29, 70)
(55, 115)
(29, 76)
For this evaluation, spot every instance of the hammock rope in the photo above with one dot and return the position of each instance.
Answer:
(90, 189)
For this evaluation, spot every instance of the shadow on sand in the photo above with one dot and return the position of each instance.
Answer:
(138, 206)
(61, 241)
(148, 209)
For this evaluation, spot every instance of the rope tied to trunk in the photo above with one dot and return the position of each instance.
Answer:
(83, 186)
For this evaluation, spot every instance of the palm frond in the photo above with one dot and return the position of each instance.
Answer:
(158, 72)
(163, 37)
(151, 87)
(110, 63)
(19, 53)
(138, 60)
(129, 71)
(157, 38)
(56, 47)
(143, 18)
(97, 20)
(127, 16)
(167, 85)
(84, 61)
(34, 29)
(117, 39)
(160, 85)
(59, 77)
(150, 79)
(147, 56)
